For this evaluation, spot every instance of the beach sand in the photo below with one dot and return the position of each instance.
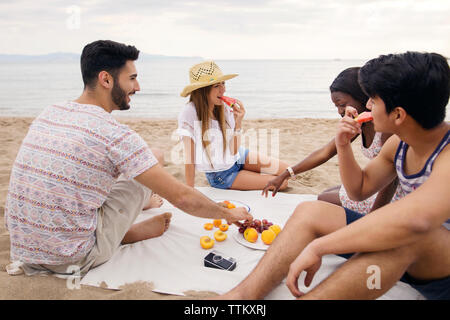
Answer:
(297, 139)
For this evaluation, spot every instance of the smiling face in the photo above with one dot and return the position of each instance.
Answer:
(125, 85)
(342, 100)
(217, 91)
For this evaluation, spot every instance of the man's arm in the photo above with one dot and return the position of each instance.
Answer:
(186, 198)
(362, 183)
(399, 223)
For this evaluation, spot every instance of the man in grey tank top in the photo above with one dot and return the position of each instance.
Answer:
(406, 240)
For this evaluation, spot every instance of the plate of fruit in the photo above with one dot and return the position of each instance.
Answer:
(231, 204)
(258, 234)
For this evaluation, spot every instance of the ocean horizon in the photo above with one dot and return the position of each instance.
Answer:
(268, 88)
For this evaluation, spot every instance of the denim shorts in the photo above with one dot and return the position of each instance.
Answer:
(438, 289)
(224, 179)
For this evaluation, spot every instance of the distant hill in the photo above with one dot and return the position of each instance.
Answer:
(69, 57)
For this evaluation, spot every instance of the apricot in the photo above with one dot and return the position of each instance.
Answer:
(222, 204)
(223, 227)
(220, 236)
(267, 236)
(251, 235)
(206, 242)
(208, 226)
(275, 228)
(217, 222)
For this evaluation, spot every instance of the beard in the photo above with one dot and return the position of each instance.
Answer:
(119, 97)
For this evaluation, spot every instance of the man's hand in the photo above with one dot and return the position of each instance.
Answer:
(348, 128)
(308, 261)
(237, 214)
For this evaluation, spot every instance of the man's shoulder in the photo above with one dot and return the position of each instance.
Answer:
(390, 147)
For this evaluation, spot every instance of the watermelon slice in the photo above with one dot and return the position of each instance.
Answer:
(365, 116)
(229, 101)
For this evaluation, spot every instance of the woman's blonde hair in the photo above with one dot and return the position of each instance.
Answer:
(199, 98)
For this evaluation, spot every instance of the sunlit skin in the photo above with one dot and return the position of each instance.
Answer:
(102, 93)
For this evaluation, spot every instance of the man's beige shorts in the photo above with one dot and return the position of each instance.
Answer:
(115, 217)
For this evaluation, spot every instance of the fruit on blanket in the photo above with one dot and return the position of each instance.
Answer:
(365, 116)
(223, 204)
(208, 226)
(267, 236)
(231, 206)
(206, 242)
(223, 227)
(220, 236)
(217, 222)
(229, 101)
(259, 225)
(251, 235)
(226, 204)
(275, 228)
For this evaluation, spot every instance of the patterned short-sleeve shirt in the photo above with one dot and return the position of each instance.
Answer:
(64, 170)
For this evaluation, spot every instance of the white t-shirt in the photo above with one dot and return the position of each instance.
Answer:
(190, 126)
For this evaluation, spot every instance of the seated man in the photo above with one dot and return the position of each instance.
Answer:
(408, 239)
(66, 204)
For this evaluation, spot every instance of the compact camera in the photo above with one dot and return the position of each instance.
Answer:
(218, 260)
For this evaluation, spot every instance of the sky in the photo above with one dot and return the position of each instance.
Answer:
(230, 29)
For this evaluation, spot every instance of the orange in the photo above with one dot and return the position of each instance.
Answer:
(251, 235)
(217, 222)
(219, 235)
(223, 227)
(208, 226)
(206, 242)
(231, 206)
(275, 228)
(267, 236)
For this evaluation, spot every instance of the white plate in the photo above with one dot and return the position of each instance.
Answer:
(258, 245)
(235, 202)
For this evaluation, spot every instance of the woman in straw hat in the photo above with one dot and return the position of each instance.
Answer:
(211, 136)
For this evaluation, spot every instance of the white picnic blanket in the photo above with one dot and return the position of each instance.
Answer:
(173, 263)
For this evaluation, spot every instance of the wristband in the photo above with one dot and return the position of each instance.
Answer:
(291, 172)
(237, 132)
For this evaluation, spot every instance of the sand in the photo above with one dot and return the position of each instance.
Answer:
(297, 139)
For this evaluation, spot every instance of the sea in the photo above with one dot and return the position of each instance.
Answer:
(267, 88)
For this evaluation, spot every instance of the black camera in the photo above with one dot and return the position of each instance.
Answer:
(218, 260)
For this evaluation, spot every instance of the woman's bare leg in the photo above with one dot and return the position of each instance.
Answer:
(250, 180)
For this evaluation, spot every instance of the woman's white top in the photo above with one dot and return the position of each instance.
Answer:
(190, 126)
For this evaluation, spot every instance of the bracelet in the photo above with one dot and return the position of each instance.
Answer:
(291, 172)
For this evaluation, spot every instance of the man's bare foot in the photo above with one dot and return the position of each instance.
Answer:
(147, 229)
(155, 201)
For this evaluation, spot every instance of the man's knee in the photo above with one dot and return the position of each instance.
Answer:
(319, 217)
(159, 154)
(304, 213)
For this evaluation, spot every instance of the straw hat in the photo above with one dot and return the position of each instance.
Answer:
(204, 74)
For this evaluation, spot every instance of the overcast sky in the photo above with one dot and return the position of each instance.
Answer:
(230, 29)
